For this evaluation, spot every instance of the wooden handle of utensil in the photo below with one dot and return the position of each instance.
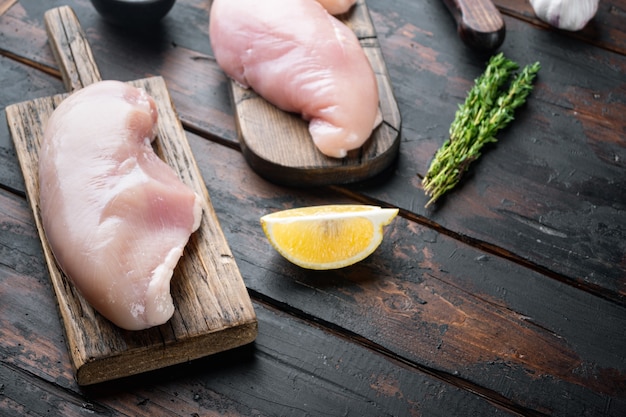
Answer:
(479, 23)
(70, 48)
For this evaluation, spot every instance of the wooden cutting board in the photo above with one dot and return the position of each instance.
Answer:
(213, 310)
(277, 145)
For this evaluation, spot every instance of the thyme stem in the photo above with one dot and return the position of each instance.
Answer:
(487, 109)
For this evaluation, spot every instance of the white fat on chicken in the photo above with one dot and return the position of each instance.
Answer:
(298, 57)
(116, 216)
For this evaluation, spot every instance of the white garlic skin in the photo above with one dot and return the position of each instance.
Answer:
(569, 15)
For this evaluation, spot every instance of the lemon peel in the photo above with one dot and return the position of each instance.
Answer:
(329, 236)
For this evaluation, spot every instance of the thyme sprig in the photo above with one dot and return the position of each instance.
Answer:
(488, 108)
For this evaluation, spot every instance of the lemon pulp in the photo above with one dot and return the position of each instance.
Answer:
(327, 237)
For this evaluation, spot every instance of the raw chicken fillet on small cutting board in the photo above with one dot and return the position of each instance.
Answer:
(213, 309)
(278, 146)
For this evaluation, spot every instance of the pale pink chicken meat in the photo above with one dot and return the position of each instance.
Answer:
(303, 60)
(116, 216)
(335, 7)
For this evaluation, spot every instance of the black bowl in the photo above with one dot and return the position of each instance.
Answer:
(133, 13)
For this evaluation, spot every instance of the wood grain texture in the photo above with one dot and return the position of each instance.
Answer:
(508, 292)
(551, 193)
(213, 309)
(424, 298)
(479, 23)
(20, 83)
(433, 300)
(290, 364)
(278, 145)
(71, 49)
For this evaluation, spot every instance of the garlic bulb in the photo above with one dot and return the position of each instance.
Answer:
(565, 14)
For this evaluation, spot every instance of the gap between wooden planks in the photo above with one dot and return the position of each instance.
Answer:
(213, 309)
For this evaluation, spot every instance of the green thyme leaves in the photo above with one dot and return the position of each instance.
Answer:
(488, 108)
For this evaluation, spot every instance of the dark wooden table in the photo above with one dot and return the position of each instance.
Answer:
(507, 298)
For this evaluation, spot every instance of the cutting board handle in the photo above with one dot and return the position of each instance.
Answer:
(71, 48)
(479, 23)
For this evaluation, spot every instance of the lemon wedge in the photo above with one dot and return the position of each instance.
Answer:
(327, 237)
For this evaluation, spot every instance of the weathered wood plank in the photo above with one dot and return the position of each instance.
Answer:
(274, 377)
(292, 367)
(213, 311)
(71, 49)
(440, 303)
(551, 192)
(435, 301)
(19, 82)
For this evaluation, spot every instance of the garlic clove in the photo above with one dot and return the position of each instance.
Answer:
(569, 15)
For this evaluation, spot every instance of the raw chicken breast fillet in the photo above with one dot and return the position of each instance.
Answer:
(303, 60)
(335, 7)
(116, 216)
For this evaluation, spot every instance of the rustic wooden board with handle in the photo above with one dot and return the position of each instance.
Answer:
(213, 309)
(278, 146)
(479, 23)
